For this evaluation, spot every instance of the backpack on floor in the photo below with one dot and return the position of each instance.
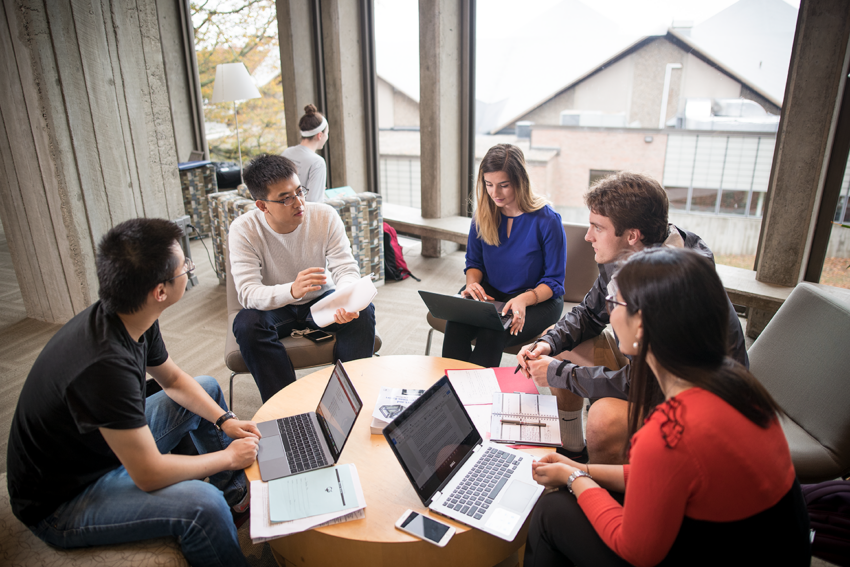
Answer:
(829, 515)
(395, 268)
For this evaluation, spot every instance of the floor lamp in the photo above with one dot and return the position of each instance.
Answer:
(233, 83)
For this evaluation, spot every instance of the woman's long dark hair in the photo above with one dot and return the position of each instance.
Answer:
(685, 314)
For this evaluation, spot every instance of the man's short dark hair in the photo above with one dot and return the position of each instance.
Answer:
(264, 170)
(631, 200)
(132, 259)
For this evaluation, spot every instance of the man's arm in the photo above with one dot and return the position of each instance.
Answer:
(151, 470)
(586, 321)
(185, 390)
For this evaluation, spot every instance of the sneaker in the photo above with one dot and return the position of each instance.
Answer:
(577, 456)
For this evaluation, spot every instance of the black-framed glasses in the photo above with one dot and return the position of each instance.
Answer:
(301, 192)
(611, 302)
(189, 265)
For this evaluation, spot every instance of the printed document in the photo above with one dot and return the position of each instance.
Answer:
(310, 494)
(353, 298)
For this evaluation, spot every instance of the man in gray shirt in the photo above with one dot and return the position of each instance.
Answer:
(628, 212)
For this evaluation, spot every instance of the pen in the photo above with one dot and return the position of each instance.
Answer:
(518, 366)
(512, 422)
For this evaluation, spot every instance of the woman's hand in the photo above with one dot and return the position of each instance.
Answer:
(518, 306)
(476, 291)
(553, 470)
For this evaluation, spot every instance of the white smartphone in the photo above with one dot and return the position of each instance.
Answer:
(425, 527)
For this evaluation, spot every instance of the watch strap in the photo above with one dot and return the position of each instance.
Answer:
(227, 415)
(576, 474)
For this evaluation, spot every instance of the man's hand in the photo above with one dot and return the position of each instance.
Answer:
(242, 452)
(238, 429)
(311, 279)
(535, 363)
(475, 291)
(341, 316)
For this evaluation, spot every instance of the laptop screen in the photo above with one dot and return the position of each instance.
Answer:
(338, 409)
(432, 438)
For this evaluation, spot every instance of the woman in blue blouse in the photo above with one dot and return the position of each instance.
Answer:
(516, 253)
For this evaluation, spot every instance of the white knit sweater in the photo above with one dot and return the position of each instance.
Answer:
(264, 263)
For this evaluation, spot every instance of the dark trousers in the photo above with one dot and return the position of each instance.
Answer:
(489, 344)
(258, 334)
(561, 534)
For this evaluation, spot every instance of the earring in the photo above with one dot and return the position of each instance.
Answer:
(636, 345)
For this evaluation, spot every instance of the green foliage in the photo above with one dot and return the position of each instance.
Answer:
(231, 31)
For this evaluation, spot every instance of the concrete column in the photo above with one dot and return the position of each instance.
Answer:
(440, 111)
(87, 140)
(810, 111)
(346, 150)
(298, 64)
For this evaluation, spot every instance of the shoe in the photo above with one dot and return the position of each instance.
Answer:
(577, 456)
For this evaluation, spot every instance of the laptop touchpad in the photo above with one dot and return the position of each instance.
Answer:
(517, 496)
(271, 448)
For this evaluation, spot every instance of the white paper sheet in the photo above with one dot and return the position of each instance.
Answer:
(262, 528)
(474, 386)
(352, 297)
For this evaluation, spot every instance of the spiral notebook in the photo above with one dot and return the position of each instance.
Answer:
(527, 419)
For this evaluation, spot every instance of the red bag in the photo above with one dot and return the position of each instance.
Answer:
(395, 268)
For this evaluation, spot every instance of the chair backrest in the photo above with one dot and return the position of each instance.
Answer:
(233, 304)
(582, 269)
(803, 359)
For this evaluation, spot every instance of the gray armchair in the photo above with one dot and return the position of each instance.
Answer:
(803, 359)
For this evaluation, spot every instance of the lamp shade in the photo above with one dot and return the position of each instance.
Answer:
(232, 83)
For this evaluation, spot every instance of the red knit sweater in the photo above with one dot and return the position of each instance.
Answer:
(720, 467)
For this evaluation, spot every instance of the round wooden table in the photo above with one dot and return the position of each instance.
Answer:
(374, 540)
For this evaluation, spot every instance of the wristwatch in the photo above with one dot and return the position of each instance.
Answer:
(573, 477)
(227, 415)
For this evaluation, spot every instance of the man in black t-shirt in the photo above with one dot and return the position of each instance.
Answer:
(88, 455)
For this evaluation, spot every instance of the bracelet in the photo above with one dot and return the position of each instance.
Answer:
(536, 297)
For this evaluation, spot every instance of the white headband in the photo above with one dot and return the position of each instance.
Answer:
(316, 130)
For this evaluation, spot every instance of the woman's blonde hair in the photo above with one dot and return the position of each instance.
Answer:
(507, 158)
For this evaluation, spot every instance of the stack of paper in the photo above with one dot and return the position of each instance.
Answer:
(301, 502)
(353, 298)
(391, 402)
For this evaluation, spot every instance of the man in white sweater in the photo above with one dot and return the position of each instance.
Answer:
(285, 256)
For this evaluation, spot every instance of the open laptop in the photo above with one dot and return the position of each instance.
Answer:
(312, 440)
(444, 458)
(484, 314)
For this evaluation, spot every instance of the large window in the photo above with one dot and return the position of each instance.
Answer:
(717, 173)
(397, 63)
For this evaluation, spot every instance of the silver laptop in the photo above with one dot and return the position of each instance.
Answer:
(312, 440)
(447, 463)
(484, 314)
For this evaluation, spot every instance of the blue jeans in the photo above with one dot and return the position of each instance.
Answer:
(114, 510)
(258, 334)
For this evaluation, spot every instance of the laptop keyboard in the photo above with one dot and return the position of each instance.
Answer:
(301, 443)
(483, 483)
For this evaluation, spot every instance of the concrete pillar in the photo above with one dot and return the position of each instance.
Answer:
(440, 111)
(299, 64)
(87, 140)
(346, 151)
(813, 92)
(810, 111)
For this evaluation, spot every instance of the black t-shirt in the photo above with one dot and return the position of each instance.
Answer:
(90, 375)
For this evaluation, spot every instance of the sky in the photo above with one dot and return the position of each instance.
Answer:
(503, 24)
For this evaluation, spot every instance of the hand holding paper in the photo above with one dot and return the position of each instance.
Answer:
(353, 298)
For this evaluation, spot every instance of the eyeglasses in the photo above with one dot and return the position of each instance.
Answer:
(611, 303)
(190, 267)
(301, 192)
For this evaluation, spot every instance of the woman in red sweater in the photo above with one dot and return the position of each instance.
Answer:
(710, 479)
